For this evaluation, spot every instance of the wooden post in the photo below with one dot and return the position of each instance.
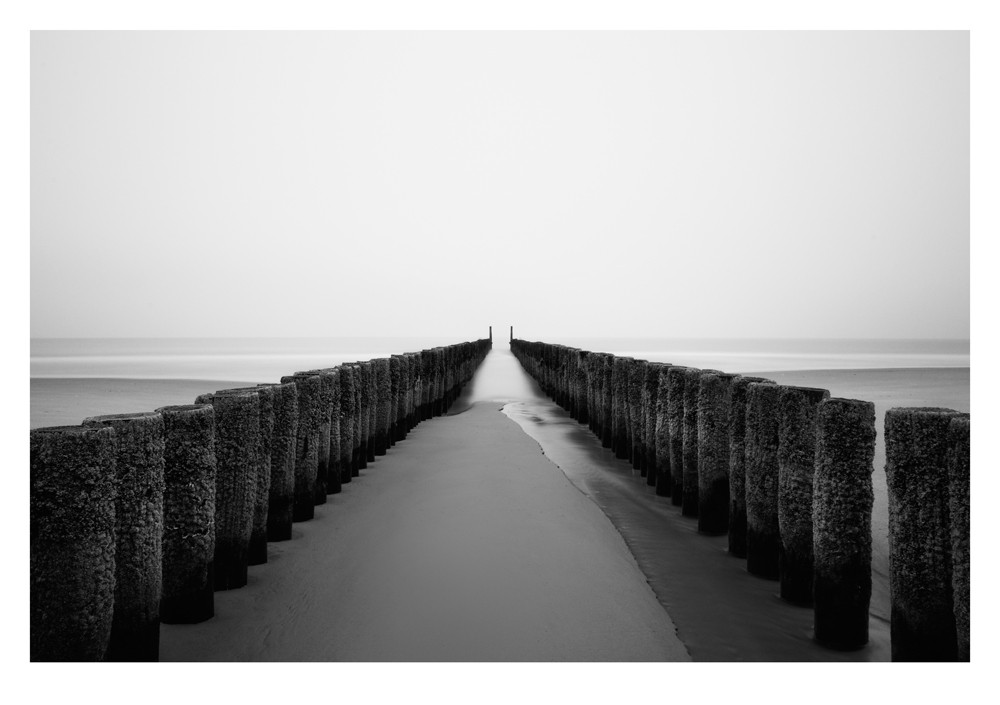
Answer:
(737, 464)
(761, 440)
(796, 460)
(188, 513)
(135, 626)
(281, 492)
(73, 470)
(959, 431)
(842, 522)
(920, 579)
(714, 398)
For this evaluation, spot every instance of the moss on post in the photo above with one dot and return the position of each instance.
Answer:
(796, 459)
(761, 442)
(714, 400)
(135, 626)
(920, 568)
(188, 513)
(842, 522)
(959, 432)
(73, 489)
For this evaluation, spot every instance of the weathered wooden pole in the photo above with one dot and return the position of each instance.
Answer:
(323, 405)
(920, 567)
(73, 470)
(237, 425)
(651, 386)
(636, 420)
(281, 492)
(842, 522)
(395, 399)
(135, 625)
(663, 463)
(332, 482)
(761, 441)
(607, 400)
(796, 460)
(689, 477)
(676, 383)
(370, 403)
(257, 548)
(737, 464)
(714, 400)
(307, 443)
(188, 513)
(959, 432)
(349, 443)
(619, 398)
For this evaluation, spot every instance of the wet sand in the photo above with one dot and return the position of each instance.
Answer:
(722, 612)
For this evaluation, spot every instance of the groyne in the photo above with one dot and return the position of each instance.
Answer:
(799, 499)
(138, 518)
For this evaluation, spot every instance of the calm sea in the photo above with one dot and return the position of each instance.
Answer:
(267, 359)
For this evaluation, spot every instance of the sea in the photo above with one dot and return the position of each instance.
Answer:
(268, 359)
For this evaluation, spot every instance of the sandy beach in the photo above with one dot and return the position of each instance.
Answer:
(465, 543)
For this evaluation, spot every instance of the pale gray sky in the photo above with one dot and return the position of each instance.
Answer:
(690, 184)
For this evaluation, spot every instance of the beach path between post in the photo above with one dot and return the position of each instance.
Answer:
(463, 543)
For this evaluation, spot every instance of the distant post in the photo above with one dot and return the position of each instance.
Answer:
(512, 333)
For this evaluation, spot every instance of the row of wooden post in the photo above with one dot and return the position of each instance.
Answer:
(137, 519)
(786, 473)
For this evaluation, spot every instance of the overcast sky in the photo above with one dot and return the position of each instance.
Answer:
(729, 184)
